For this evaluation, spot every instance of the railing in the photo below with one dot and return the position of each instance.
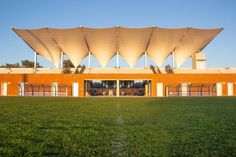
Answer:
(42, 90)
(192, 90)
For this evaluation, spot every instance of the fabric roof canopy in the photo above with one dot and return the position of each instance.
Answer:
(40, 41)
(193, 41)
(133, 43)
(71, 42)
(104, 43)
(163, 42)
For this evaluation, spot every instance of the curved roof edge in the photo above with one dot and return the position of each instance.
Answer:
(130, 43)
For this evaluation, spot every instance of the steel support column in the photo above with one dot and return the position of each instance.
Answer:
(35, 59)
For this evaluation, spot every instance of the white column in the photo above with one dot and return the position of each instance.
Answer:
(145, 59)
(117, 59)
(4, 89)
(173, 59)
(219, 89)
(55, 89)
(35, 59)
(230, 89)
(117, 87)
(149, 89)
(89, 60)
(184, 89)
(167, 91)
(75, 89)
(62, 59)
(22, 88)
(146, 89)
(160, 89)
(66, 91)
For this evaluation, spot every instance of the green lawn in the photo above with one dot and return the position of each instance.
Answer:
(49, 126)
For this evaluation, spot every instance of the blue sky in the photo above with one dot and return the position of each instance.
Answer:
(221, 52)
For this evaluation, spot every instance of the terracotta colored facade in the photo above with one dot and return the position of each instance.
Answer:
(13, 80)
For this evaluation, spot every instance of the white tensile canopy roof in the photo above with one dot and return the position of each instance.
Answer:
(130, 43)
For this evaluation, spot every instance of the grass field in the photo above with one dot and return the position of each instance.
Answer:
(49, 126)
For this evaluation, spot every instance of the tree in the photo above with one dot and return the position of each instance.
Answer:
(29, 64)
(68, 64)
(8, 65)
(24, 64)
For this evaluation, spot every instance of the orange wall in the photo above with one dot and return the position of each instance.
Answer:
(68, 79)
(234, 89)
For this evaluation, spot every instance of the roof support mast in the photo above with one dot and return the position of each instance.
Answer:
(173, 59)
(35, 59)
(62, 59)
(89, 60)
(117, 59)
(145, 59)
(117, 47)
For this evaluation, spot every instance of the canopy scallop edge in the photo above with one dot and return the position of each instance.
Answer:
(105, 43)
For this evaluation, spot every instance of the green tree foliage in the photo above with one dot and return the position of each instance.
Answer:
(29, 64)
(68, 64)
(8, 65)
(24, 64)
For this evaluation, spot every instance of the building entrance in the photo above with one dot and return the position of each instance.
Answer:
(117, 88)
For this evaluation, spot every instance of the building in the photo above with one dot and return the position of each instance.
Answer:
(128, 43)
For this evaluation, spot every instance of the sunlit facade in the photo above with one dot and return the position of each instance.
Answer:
(120, 42)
